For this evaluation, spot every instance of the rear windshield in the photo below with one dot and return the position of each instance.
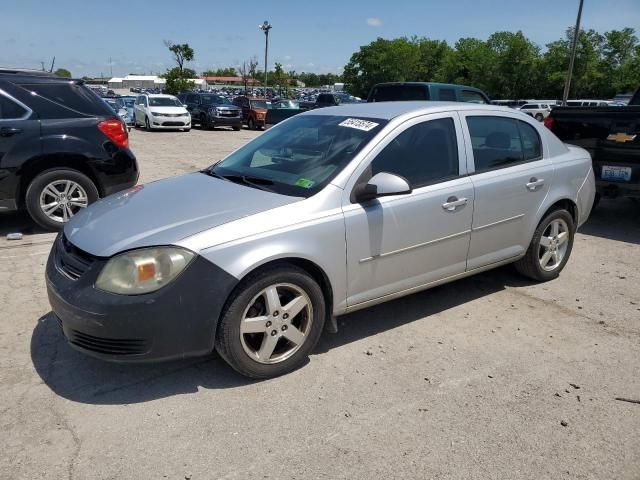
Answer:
(71, 96)
(395, 93)
(259, 104)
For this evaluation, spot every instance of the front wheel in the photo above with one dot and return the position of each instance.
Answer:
(56, 195)
(237, 128)
(147, 125)
(539, 117)
(550, 247)
(272, 322)
(251, 124)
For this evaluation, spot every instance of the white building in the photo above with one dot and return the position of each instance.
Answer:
(147, 81)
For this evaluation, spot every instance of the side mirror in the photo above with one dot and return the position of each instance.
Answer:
(382, 184)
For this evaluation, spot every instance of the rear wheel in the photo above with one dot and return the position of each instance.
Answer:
(539, 117)
(56, 195)
(550, 247)
(272, 322)
(237, 128)
(251, 125)
(147, 125)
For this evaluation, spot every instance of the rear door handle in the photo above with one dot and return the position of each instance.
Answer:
(535, 183)
(454, 202)
(9, 131)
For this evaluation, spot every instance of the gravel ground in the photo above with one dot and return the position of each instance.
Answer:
(491, 377)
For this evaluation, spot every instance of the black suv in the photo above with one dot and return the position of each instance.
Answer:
(61, 147)
(211, 110)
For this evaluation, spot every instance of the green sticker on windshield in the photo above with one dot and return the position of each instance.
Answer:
(304, 183)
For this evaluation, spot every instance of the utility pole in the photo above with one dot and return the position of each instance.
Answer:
(111, 67)
(574, 46)
(265, 27)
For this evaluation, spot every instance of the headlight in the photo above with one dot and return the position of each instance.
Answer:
(143, 271)
(157, 114)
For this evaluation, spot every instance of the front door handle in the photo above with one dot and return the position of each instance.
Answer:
(535, 183)
(9, 131)
(454, 202)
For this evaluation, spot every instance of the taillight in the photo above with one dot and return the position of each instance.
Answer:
(115, 131)
(548, 122)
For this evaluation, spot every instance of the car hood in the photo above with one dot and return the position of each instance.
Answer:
(164, 212)
(168, 110)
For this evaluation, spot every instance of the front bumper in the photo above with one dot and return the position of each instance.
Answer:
(176, 321)
(183, 121)
(225, 120)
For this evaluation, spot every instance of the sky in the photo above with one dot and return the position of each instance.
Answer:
(90, 37)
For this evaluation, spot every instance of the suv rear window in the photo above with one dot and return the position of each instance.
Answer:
(470, 96)
(72, 96)
(394, 93)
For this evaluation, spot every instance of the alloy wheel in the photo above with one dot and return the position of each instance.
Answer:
(276, 323)
(62, 199)
(553, 245)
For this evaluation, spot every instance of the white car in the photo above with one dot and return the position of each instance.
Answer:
(161, 112)
(539, 111)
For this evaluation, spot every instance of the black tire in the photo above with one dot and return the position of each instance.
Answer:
(147, 125)
(204, 123)
(539, 117)
(251, 124)
(529, 265)
(32, 198)
(228, 343)
(237, 128)
(596, 201)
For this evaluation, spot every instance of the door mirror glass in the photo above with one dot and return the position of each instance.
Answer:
(382, 184)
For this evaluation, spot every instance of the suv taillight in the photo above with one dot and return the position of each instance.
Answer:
(115, 131)
(548, 122)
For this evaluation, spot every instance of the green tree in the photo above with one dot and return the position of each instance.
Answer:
(622, 57)
(221, 72)
(181, 53)
(471, 62)
(62, 72)
(516, 65)
(177, 81)
(381, 61)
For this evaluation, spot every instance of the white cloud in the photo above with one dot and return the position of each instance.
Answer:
(374, 22)
(287, 57)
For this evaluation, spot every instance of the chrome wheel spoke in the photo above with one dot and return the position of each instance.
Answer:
(49, 190)
(563, 237)
(272, 300)
(267, 347)
(254, 325)
(49, 208)
(545, 242)
(555, 226)
(545, 258)
(294, 335)
(294, 307)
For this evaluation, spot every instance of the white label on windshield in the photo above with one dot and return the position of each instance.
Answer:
(365, 125)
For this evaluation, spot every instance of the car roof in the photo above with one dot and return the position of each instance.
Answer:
(434, 84)
(389, 110)
(159, 95)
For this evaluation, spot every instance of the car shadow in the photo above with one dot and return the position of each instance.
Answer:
(18, 222)
(615, 219)
(83, 379)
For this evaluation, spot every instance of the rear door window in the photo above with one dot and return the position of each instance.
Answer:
(71, 96)
(496, 142)
(10, 110)
(531, 144)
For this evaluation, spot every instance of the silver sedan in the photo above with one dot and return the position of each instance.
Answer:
(329, 212)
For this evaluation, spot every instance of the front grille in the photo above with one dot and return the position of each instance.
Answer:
(173, 124)
(110, 346)
(228, 113)
(72, 261)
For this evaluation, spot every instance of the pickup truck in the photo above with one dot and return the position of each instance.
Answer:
(612, 136)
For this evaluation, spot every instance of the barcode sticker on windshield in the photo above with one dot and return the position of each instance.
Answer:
(365, 125)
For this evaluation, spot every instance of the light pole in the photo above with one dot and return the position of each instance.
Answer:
(265, 27)
(574, 46)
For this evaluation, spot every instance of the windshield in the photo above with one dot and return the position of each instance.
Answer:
(300, 156)
(164, 102)
(116, 104)
(259, 104)
(214, 100)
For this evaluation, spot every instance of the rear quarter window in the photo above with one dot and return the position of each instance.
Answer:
(470, 96)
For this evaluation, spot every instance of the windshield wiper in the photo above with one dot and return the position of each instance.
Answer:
(255, 182)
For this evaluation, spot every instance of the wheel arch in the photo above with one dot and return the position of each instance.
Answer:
(312, 268)
(39, 164)
(565, 204)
